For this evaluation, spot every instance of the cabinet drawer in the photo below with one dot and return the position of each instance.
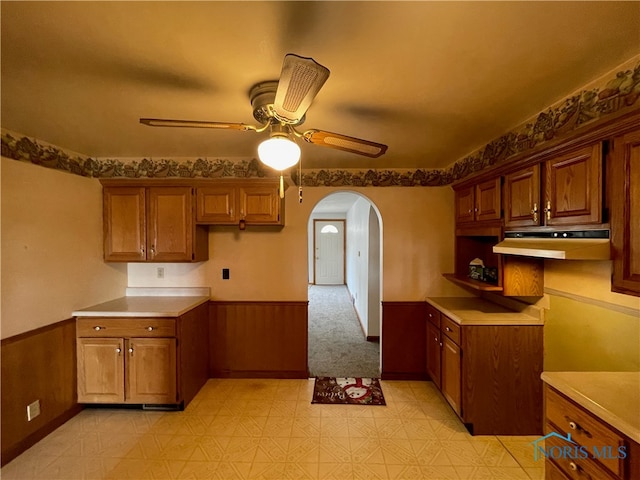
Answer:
(433, 315)
(573, 462)
(585, 430)
(451, 329)
(125, 327)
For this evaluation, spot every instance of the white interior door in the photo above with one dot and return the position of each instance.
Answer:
(329, 252)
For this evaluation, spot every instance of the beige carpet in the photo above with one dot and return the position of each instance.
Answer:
(337, 345)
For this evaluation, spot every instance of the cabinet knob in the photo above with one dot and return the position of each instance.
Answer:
(573, 425)
(97, 328)
(131, 351)
(118, 350)
(151, 329)
(447, 329)
(573, 466)
(440, 344)
(534, 212)
(431, 315)
(152, 250)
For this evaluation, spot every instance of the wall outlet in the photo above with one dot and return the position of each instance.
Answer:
(33, 410)
(160, 272)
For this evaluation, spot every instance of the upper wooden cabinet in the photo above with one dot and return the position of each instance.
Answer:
(572, 186)
(624, 189)
(154, 224)
(240, 203)
(124, 224)
(522, 197)
(479, 202)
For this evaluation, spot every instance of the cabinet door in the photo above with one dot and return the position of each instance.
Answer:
(522, 198)
(573, 188)
(100, 370)
(451, 373)
(170, 224)
(433, 353)
(487, 201)
(151, 370)
(465, 205)
(217, 205)
(124, 224)
(625, 213)
(260, 205)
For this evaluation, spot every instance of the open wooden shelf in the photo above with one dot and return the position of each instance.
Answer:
(470, 283)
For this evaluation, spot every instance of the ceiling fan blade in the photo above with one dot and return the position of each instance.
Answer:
(161, 122)
(343, 142)
(300, 81)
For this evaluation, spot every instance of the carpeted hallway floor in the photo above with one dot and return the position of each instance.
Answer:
(337, 345)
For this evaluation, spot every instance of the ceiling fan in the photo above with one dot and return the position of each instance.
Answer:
(280, 106)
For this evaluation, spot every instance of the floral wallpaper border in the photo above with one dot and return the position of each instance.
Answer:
(616, 92)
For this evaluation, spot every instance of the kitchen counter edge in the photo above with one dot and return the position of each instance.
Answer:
(457, 309)
(600, 393)
(143, 306)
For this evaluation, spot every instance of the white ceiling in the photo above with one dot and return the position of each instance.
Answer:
(432, 80)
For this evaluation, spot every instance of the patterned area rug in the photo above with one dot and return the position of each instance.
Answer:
(348, 391)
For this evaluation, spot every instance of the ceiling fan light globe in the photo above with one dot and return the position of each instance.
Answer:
(279, 153)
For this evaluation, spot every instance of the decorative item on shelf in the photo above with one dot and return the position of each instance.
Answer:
(490, 274)
(476, 269)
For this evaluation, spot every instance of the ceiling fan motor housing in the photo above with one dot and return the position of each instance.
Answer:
(262, 96)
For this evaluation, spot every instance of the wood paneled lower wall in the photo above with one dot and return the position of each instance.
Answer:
(258, 339)
(404, 341)
(37, 365)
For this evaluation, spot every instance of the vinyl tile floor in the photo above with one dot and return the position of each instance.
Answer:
(268, 429)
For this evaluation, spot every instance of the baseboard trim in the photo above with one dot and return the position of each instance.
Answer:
(262, 374)
(407, 376)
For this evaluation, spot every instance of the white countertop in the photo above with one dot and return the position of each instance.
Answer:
(149, 302)
(613, 397)
(478, 311)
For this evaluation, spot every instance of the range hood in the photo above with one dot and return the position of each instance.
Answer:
(562, 245)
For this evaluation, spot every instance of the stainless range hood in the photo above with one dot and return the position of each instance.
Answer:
(562, 245)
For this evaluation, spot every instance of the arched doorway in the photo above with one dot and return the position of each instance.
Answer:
(360, 292)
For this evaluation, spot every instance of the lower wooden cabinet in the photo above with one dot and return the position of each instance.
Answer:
(489, 374)
(595, 450)
(148, 361)
(451, 373)
(434, 344)
(127, 370)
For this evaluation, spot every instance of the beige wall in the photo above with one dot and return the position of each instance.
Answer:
(271, 264)
(51, 247)
(581, 336)
(588, 327)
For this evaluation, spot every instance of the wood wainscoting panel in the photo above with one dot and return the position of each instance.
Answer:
(502, 389)
(37, 365)
(403, 340)
(258, 339)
